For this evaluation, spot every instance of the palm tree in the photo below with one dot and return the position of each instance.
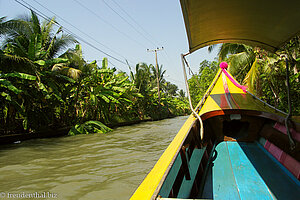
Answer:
(28, 52)
(35, 42)
(263, 72)
(240, 58)
(142, 78)
(3, 26)
(160, 73)
(169, 88)
(181, 94)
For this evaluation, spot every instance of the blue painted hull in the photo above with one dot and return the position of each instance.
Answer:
(247, 171)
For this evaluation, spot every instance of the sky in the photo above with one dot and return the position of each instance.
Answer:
(123, 29)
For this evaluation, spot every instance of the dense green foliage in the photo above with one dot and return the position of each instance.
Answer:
(201, 81)
(43, 86)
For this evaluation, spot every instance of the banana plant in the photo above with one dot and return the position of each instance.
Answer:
(12, 87)
(104, 93)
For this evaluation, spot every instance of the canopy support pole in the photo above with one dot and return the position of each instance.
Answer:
(189, 96)
(292, 143)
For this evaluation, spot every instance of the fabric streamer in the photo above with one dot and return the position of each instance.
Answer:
(224, 66)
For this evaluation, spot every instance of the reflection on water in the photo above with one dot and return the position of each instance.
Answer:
(100, 166)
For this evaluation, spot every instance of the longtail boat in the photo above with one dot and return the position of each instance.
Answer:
(233, 145)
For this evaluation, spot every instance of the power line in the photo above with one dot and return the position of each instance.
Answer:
(100, 61)
(37, 12)
(166, 55)
(156, 67)
(30, 7)
(106, 22)
(82, 33)
(175, 80)
(132, 19)
(127, 22)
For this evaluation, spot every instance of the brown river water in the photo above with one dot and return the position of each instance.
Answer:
(100, 166)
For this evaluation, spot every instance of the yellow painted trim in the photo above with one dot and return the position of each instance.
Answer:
(152, 180)
(150, 183)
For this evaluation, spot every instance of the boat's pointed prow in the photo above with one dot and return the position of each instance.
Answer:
(193, 168)
(244, 151)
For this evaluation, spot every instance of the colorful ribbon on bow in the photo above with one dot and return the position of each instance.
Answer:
(224, 66)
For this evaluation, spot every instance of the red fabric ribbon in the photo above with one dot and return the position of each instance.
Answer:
(224, 66)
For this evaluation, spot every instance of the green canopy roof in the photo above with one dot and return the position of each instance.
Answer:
(265, 23)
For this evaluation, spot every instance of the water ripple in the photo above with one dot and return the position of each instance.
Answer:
(100, 166)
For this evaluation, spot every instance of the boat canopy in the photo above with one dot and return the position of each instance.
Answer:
(268, 24)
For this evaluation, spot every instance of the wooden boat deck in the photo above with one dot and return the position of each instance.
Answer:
(247, 171)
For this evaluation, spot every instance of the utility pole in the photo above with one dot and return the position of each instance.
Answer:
(156, 65)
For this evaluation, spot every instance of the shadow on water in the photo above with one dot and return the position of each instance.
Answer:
(99, 166)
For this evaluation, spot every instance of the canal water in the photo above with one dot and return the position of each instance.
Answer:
(100, 166)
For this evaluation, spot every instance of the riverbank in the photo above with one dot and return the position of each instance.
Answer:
(16, 138)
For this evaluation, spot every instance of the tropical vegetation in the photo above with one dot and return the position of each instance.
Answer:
(45, 83)
(200, 82)
(264, 73)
